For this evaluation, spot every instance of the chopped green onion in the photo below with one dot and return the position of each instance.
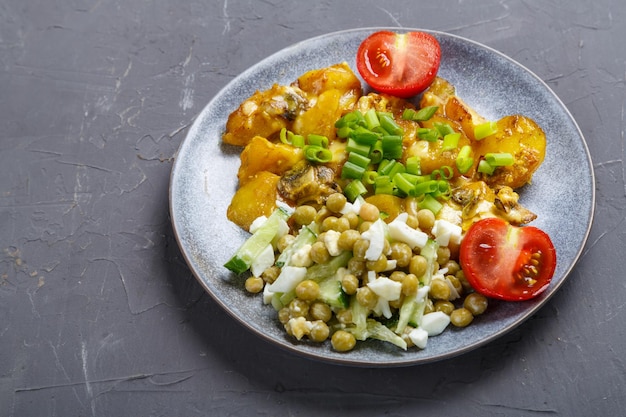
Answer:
(350, 170)
(423, 178)
(499, 159)
(464, 160)
(358, 159)
(354, 146)
(485, 168)
(384, 167)
(351, 119)
(429, 135)
(426, 187)
(283, 136)
(412, 165)
(317, 154)
(430, 203)
(344, 132)
(369, 177)
(483, 130)
(371, 119)
(404, 184)
(423, 114)
(383, 185)
(297, 141)
(392, 146)
(354, 189)
(446, 172)
(443, 189)
(289, 138)
(318, 140)
(376, 152)
(412, 178)
(396, 168)
(444, 129)
(364, 136)
(451, 141)
(342, 122)
(388, 124)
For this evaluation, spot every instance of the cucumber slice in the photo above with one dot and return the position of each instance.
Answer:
(306, 236)
(255, 244)
(332, 293)
(320, 272)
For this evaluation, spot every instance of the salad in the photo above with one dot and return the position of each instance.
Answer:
(384, 215)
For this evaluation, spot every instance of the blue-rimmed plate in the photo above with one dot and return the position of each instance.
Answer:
(204, 179)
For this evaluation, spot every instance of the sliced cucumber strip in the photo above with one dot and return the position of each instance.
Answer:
(306, 236)
(332, 294)
(255, 244)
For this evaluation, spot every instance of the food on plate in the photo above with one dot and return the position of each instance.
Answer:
(360, 207)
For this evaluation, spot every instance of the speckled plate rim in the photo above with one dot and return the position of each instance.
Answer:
(203, 179)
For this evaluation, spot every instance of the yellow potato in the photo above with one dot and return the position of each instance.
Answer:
(263, 155)
(317, 119)
(332, 91)
(457, 110)
(336, 77)
(256, 198)
(437, 94)
(521, 137)
(264, 114)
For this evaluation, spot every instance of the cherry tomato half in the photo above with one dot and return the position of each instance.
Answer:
(399, 64)
(507, 262)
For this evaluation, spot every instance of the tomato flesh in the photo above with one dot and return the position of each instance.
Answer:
(399, 64)
(507, 262)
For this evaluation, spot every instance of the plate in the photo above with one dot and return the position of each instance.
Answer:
(204, 179)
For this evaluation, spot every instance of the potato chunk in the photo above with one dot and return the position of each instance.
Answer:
(254, 199)
(336, 77)
(332, 91)
(263, 155)
(264, 114)
(522, 138)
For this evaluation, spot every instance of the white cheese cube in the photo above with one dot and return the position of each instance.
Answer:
(256, 223)
(435, 323)
(302, 257)
(419, 337)
(422, 293)
(391, 265)
(288, 279)
(331, 237)
(376, 236)
(349, 208)
(402, 232)
(446, 232)
(267, 295)
(386, 288)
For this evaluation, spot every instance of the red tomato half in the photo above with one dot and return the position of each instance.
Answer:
(399, 64)
(507, 262)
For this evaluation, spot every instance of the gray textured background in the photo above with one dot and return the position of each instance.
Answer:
(99, 313)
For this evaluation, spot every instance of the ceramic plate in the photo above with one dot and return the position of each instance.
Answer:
(204, 179)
